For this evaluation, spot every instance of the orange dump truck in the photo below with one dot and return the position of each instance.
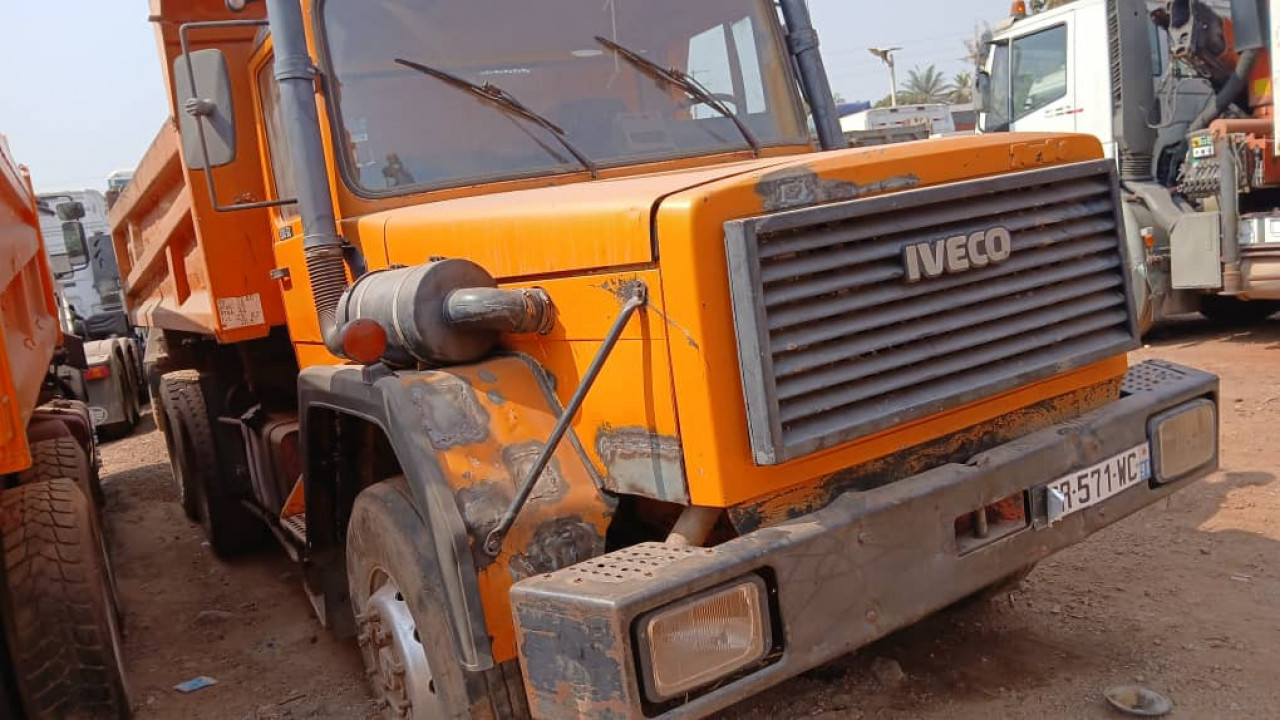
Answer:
(581, 384)
(60, 653)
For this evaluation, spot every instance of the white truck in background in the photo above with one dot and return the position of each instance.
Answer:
(111, 382)
(885, 125)
(1179, 93)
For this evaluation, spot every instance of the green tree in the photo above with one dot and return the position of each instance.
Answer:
(962, 88)
(925, 86)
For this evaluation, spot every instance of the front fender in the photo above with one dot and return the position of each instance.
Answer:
(464, 438)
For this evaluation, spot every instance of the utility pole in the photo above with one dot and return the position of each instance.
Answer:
(886, 55)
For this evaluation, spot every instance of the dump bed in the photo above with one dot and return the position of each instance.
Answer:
(28, 313)
(185, 266)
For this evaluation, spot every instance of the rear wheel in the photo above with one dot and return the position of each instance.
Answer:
(405, 637)
(62, 457)
(203, 491)
(63, 637)
(1229, 310)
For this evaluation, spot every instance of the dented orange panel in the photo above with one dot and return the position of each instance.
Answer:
(28, 313)
(186, 266)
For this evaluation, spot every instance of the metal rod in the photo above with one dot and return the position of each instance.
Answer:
(204, 142)
(493, 543)
(981, 527)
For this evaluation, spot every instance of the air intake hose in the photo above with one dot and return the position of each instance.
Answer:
(322, 246)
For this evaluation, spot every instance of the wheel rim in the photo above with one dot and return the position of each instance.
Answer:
(394, 657)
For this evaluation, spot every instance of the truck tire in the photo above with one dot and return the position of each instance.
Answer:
(62, 457)
(63, 637)
(197, 472)
(1232, 311)
(392, 575)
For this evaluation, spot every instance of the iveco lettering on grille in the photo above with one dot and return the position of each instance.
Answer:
(957, 254)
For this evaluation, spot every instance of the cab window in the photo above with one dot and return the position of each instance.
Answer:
(1039, 70)
(277, 141)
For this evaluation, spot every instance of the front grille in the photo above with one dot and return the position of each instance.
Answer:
(836, 343)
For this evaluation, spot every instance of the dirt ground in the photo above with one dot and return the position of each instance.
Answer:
(1183, 597)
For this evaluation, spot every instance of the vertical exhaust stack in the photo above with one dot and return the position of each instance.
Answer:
(802, 41)
(1133, 93)
(322, 245)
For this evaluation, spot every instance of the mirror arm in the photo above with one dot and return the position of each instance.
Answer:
(202, 109)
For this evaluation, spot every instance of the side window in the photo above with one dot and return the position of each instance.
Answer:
(278, 141)
(996, 118)
(725, 60)
(1159, 49)
(1039, 70)
(709, 65)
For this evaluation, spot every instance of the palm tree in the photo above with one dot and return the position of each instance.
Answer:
(962, 88)
(925, 87)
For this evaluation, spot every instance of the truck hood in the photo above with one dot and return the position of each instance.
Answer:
(548, 230)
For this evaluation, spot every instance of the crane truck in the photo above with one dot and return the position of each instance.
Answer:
(579, 383)
(1180, 94)
(59, 630)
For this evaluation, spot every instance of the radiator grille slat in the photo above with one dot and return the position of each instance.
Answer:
(836, 342)
(937, 217)
(837, 278)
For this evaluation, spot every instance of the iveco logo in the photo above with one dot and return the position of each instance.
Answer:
(957, 254)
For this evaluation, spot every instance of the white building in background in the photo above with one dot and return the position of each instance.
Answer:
(95, 289)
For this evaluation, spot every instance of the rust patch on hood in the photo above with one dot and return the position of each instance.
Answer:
(798, 187)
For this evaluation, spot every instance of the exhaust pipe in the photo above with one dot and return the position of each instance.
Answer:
(802, 41)
(322, 246)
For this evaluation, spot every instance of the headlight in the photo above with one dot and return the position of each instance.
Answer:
(704, 638)
(1184, 440)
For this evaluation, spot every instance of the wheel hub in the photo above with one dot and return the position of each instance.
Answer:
(394, 657)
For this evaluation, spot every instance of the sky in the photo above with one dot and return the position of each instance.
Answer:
(81, 93)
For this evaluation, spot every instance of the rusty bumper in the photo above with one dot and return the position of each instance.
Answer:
(864, 566)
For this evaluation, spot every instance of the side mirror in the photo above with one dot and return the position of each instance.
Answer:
(60, 266)
(70, 211)
(981, 90)
(77, 249)
(205, 109)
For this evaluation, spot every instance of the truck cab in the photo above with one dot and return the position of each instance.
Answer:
(555, 340)
(1112, 69)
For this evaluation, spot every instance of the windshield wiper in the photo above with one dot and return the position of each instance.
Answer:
(505, 101)
(694, 89)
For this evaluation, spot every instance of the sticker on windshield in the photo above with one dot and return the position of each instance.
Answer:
(240, 312)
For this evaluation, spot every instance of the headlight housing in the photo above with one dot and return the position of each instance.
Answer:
(703, 638)
(1183, 440)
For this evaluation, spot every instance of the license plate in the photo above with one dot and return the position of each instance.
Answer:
(98, 415)
(1092, 485)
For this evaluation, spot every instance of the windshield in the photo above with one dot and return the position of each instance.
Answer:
(407, 130)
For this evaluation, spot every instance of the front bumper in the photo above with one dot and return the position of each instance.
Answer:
(864, 566)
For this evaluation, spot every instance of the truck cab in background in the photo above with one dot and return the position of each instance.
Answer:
(1152, 80)
(91, 309)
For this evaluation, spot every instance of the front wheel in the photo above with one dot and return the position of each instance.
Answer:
(404, 632)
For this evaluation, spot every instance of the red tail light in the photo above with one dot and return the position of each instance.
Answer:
(97, 372)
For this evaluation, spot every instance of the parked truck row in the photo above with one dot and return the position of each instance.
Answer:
(578, 384)
(59, 618)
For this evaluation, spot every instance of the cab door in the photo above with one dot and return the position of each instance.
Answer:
(1042, 79)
